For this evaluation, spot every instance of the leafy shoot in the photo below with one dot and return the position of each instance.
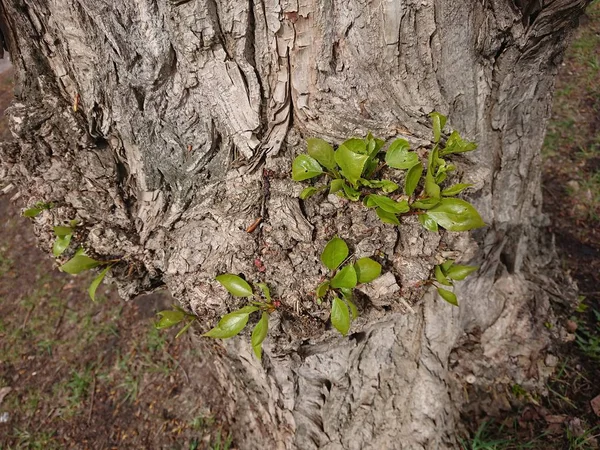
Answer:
(351, 172)
(233, 323)
(446, 274)
(344, 278)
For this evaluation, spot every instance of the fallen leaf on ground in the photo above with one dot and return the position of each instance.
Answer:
(555, 419)
(4, 392)
(595, 402)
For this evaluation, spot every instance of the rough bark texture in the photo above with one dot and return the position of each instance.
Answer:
(189, 113)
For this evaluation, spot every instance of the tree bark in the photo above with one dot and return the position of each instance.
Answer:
(188, 115)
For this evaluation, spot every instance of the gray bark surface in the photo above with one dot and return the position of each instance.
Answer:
(189, 114)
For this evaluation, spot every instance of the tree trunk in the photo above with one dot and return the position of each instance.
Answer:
(169, 127)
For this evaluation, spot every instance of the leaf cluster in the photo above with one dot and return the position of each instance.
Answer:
(446, 274)
(63, 237)
(80, 262)
(37, 209)
(352, 168)
(170, 318)
(233, 323)
(344, 278)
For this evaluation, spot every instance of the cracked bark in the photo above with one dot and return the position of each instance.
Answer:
(189, 115)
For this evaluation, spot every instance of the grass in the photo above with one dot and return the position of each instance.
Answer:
(588, 337)
(584, 441)
(199, 423)
(79, 386)
(491, 437)
(482, 440)
(222, 443)
(156, 340)
(5, 263)
(35, 441)
(590, 194)
(73, 356)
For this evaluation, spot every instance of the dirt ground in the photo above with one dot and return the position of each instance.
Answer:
(76, 374)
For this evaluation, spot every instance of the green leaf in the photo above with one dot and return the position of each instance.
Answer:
(353, 309)
(398, 156)
(373, 145)
(259, 334)
(32, 212)
(36, 209)
(231, 324)
(446, 265)
(265, 290)
(347, 293)
(62, 231)
(440, 277)
(334, 253)
(456, 144)
(448, 296)
(455, 215)
(168, 318)
(79, 263)
(426, 203)
(350, 192)
(94, 286)
(459, 273)
(322, 289)
(386, 203)
(308, 192)
(399, 145)
(322, 152)
(305, 167)
(442, 170)
(388, 186)
(439, 122)
(379, 143)
(236, 286)
(336, 185)
(387, 217)
(428, 223)
(412, 178)
(345, 278)
(351, 163)
(455, 190)
(370, 167)
(340, 316)
(367, 270)
(431, 187)
(355, 145)
(61, 243)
